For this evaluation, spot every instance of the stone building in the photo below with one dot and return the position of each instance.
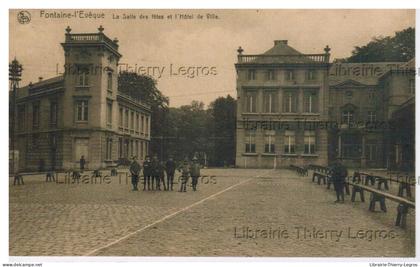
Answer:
(81, 113)
(296, 108)
(282, 97)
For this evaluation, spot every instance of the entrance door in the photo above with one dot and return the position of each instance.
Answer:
(81, 148)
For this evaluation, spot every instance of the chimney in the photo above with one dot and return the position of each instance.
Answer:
(40, 79)
(277, 42)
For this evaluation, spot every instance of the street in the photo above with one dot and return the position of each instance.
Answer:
(235, 212)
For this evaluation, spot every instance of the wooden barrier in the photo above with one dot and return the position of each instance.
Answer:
(300, 170)
(380, 196)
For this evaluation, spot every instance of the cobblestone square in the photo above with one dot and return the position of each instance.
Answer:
(236, 212)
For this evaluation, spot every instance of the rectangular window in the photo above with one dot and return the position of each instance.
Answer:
(251, 102)
(21, 117)
(371, 152)
(251, 74)
(120, 147)
(290, 102)
(147, 130)
(136, 152)
(82, 111)
(137, 123)
(83, 77)
(35, 115)
(270, 102)
(126, 119)
(250, 142)
(309, 141)
(289, 142)
(290, 75)
(270, 141)
(108, 155)
(121, 117)
(347, 117)
(371, 116)
(311, 75)
(310, 102)
(53, 113)
(132, 121)
(109, 81)
(109, 114)
(271, 75)
(412, 86)
(142, 125)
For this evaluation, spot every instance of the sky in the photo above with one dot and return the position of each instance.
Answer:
(201, 41)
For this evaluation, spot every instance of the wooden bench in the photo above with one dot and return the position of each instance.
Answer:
(377, 195)
(404, 185)
(319, 176)
(318, 168)
(300, 170)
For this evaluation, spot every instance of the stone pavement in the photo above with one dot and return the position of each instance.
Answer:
(108, 219)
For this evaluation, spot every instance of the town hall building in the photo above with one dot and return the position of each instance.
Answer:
(296, 108)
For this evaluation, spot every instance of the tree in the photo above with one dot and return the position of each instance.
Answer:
(223, 121)
(398, 48)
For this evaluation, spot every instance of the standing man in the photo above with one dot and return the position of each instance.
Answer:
(170, 172)
(185, 172)
(155, 171)
(161, 176)
(135, 173)
(147, 172)
(195, 172)
(338, 175)
(82, 163)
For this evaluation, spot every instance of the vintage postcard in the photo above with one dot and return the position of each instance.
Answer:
(212, 133)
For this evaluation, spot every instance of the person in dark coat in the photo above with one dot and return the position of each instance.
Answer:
(338, 174)
(82, 163)
(154, 171)
(161, 176)
(147, 172)
(195, 173)
(170, 172)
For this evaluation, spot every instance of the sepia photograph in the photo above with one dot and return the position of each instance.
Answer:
(263, 133)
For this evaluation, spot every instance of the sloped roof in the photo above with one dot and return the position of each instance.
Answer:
(281, 52)
(281, 48)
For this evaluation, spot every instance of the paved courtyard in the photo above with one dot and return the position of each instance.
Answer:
(237, 212)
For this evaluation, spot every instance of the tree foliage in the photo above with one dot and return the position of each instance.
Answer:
(399, 48)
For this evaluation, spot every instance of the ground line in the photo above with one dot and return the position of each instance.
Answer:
(170, 215)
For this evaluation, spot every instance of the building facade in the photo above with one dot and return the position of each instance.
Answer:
(296, 108)
(282, 97)
(81, 113)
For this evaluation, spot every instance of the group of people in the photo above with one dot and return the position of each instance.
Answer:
(154, 173)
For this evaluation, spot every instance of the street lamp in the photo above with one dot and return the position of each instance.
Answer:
(15, 72)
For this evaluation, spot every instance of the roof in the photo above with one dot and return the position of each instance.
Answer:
(41, 86)
(281, 48)
(48, 81)
(280, 53)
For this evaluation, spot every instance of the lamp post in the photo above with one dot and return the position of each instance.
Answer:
(15, 72)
